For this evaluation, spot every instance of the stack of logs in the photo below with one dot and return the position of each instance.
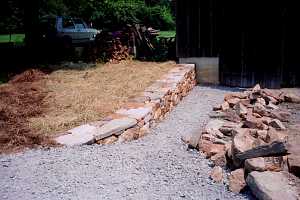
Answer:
(118, 52)
(132, 40)
(249, 135)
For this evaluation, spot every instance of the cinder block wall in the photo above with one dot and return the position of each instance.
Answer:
(207, 69)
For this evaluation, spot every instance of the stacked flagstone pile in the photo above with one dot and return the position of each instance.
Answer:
(135, 118)
(248, 135)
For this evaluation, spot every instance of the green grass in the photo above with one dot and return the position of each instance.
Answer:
(15, 38)
(167, 34)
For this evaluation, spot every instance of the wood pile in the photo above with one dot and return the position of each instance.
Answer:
(118, 52)
(132, 41)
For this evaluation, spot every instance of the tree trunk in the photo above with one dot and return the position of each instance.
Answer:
(31, 16)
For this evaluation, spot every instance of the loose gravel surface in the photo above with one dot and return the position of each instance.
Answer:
(158, 166)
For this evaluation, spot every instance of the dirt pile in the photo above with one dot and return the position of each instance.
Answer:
(20, 100)
(30, 75)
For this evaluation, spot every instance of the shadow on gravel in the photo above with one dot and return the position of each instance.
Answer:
(223, 88)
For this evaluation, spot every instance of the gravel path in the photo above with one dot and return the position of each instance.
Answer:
(158, 166)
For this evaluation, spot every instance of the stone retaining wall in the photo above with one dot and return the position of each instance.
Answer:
(135, 118)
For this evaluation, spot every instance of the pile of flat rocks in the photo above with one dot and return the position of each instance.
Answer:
(248, 134)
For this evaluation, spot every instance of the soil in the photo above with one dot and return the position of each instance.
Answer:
(20, 100)
(30, 75)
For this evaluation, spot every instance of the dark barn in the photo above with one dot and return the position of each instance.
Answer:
(240, 43)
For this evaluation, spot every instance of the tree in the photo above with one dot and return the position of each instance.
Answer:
(20, 15)
(31, 18)
(12, 15)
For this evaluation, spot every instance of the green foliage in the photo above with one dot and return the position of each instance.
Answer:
(11, 14)
(118, 13)
(163, 50)
(159, 17)
(105, 14)
(52, 7)
(112, 14)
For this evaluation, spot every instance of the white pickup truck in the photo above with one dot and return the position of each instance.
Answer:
(72, 31)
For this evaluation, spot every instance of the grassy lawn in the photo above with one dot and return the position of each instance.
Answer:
(167, 34)
(16, 38)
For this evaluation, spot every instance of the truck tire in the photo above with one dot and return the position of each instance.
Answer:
(67, 42)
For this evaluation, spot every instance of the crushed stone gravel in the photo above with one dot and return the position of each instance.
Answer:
(157, 166)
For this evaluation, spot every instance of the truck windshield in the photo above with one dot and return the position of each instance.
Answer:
(68, 23)
(79, 23)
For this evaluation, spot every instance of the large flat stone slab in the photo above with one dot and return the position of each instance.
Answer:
(136, 113)
(114, 127)
(274, 185)
(88, 134)
(78, 136)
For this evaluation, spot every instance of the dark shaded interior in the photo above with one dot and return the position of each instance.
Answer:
(256, 42)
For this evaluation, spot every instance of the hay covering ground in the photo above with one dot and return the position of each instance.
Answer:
(39, 106)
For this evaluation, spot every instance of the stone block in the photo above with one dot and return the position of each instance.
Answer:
(217, 174)
(237, 181)
(115, 127)
(274, 185)
(136, 113)
(78, 136)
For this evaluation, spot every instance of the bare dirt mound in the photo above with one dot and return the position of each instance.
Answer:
(30, 75)
(20, 100)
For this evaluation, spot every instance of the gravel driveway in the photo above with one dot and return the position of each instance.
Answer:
(158, 166)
